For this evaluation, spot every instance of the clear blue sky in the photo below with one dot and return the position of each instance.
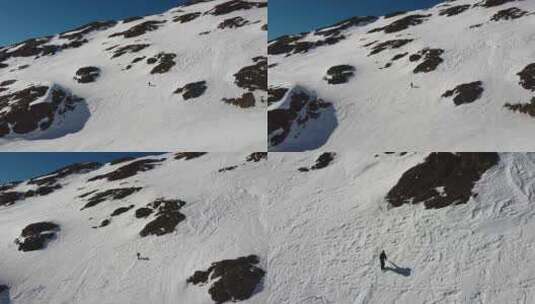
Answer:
(22, 166)
(295, 16)
(23, 19)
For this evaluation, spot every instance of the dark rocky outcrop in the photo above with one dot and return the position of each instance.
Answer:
(111, 194)
(402, 24)
(129, 170)
(22, 116)
(54, 177)
(527, 77)
(525, 108)
(336, 29)
(166, 62)
(395, 14)
(466, 93)
(167, 215)
(132, 19)
(235, 22)
(247, 100)
(233, 280)
(509, 14)
(131, 48)
(276, 94)
(10, 197)
(431, 61)
(339, 74)
(80, 32)
(187, 17)
(87, 74)
(493, 3)
(192, 90)
(36, 236)
(323, 161)
(257, 156)
(188, 155)
(234, 5)
(121, 210)
(443, 179)
(454, 10)
(390, 44)
(291, 45)
(140, 29)
(230, 168)
(253, 77)
(143, 212)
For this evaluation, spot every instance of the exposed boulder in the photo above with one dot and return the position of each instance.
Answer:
(339, 74)
(129, 170)
(527, 77)
(121, 210)
(232, 280)
(167, 218)
(390, 44)
(276, 94)
(525, 108)
(247, 100)
(253, 77)
(235, 22)
(509, 14)
(36, 236)
(443, 179)
(166, 62)
(187, 17)
(454, 10)
(87, 74)
(111, 194)
(131, 48)
(431, 61)
(323, 161)
(192, 90)
(466, 93)
(257, 156)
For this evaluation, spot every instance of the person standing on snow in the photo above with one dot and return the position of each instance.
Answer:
(382, 258)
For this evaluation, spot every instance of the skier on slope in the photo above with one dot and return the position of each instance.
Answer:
(382, 258)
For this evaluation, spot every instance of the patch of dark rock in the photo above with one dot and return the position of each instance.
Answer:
(264, 27)
(111, 47)
(340, 74)
(415, 57)
(11, 197)
(143, 212)
(466, 93)
(390, 44)
(492, 3)
(7, 83)
(233, 280)
(253, 77)
(227, 169)
(291, 45)
(129, 170)
(3, 65)
(235, 22)
(302, 108)
(284, 44)
(526, 108)
(111, 194)
(140, 29)
(234, 5)
(121, 210)
(36, 236)
(25, 117)
(371, 43)
(476, 25)
(131, 48)
(131, 19)
(443, 179)
(3, 288)
(192, 90)
(276, 94)
(87, 74)
(187, 17)
(104, 223)
(188, 155)
(204, 33)
(432, 60)
(323, 161)
(121, 160)
(53, 177)
(87, 194)
(28, 48)
(402, 24)
(509, 14)
(454, 10)
(23, 67)
(399, 56)
(80, 32)
(8, 186)
(168, 216)
(41, 191)
(336, 29)
(166, 62)
(527, 77)
(247, 100)
(257, 156)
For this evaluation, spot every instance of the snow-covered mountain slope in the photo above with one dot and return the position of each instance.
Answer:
(459, 76)
(296, 228)
(193, 78)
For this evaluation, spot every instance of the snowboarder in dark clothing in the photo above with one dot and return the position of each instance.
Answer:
(382, 258)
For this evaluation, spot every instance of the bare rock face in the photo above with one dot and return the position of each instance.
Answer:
(431, 60)
(231, 280)
(466, 93)
(20, 113)
(340, 74)
(509, 14)
(165, 63)
(247, 100)
(140, 29)
(234, 5)
(390, 44)
(129, 170)
(36, 236)
(231, 23)
(192, 90)
(454, 10)
(323, 161)
(443, 179)
(253, 77)
(187, 17)
(189, 155)
(109, 195)
(527, 77)
(167, 217)
(402, 24)
(87, 74)
(131, 48)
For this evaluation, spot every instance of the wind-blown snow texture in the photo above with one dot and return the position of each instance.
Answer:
(317, 233)
(375, 108)
(127, 73)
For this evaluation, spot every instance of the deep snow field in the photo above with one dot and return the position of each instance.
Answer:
(458, 228)
(134, 101)
(362, 70)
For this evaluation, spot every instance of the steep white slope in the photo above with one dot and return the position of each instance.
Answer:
(378, 110)
(125, 112)
(317, 231)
